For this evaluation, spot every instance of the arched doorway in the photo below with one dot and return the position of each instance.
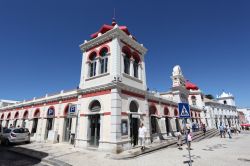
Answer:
(67, 124)
(134, 122)
(94, 123)
(167, 121)
(25, 118)
(50, 121)
(153, 120)
(7, 120)
(36, 116)
(15, 119)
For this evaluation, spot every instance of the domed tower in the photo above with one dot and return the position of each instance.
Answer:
(113, 55)
(226, 98)
(179, 91)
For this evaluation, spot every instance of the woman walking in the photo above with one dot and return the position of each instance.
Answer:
(189, 139)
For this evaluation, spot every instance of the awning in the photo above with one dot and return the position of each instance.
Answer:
(245, 125)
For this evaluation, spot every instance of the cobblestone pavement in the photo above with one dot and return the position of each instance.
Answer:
(209, 152)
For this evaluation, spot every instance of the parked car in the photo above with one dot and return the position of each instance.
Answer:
(14, 135)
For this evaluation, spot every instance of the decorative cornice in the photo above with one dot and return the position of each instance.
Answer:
(114, 33)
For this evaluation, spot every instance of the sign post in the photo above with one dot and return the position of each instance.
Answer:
(184, 112)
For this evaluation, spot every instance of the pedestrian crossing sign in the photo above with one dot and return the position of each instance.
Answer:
(184, 110)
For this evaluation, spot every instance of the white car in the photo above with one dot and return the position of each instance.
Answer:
(14, 135)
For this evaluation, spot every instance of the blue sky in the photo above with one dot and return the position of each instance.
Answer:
(210, 40)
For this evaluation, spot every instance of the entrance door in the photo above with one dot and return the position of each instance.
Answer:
(134, 127)
(67, 129)
(34, 126)
(167, 122)
(94, 130)
(49, 127)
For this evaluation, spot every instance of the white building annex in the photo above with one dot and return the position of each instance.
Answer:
(112, 99)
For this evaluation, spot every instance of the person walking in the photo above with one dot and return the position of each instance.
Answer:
(222, 130)
(204, 129)
(179, 139)
(228, 129)
(189, 140)
(142, 136)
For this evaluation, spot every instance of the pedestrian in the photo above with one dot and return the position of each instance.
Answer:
(228, 129)
(204, 129)
(142, 136)
(189, 140)
(188, 126)
(193, 127)
(222, 130)
(179, 139)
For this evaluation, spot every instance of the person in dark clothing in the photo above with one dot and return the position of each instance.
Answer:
(204, 129)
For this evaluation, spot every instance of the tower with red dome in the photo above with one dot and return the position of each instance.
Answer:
(112, 55)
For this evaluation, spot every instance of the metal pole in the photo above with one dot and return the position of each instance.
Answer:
(189, 154)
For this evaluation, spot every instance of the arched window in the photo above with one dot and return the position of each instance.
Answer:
(152, 112)
(133, 107)
(136, 64)
(193, 98)
(126, 62)
(66, 110)
(8, 116)
(95, 106)
(37, 113)
(175, 112)
(166, 111)
(25, 115)
(104, 60)
(92, 64)
(16, 115)
(225, 102)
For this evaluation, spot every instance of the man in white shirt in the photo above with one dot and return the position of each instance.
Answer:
(142, 136)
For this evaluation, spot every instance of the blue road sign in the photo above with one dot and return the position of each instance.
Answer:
(72, 109)
(184, 110)
(50, 112)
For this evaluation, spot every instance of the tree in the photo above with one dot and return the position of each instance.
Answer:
(209, 96)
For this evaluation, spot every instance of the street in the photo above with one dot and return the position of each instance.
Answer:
(207, 152)
(8, 158)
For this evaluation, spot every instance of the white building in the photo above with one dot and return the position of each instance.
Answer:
(222, 110)
(112, 99)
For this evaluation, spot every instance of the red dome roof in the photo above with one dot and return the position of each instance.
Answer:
(191, 86)
(105, 28)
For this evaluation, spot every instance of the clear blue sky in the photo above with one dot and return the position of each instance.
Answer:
(210, 40)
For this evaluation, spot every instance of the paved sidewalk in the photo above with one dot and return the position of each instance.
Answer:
(213, 151)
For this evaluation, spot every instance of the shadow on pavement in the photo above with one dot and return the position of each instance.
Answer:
(18, 156)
